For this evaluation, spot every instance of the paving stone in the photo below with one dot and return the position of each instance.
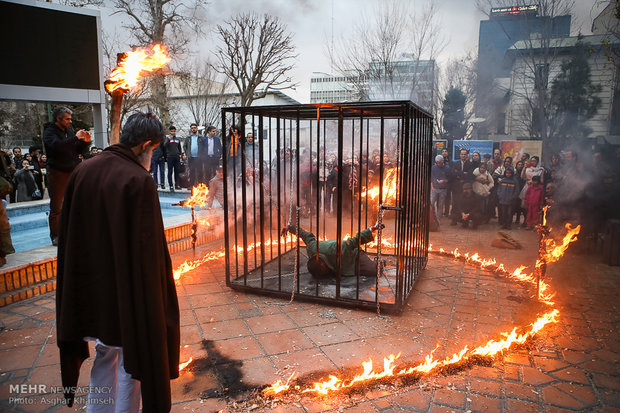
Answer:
(451, 398)
(284, 342)
(413, 400)
(535, 377)
(481, 403)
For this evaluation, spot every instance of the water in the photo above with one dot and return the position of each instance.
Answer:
(29, 228)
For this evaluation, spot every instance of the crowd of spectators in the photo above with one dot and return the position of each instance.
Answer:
(582, 186)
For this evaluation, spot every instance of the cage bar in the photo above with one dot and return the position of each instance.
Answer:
(330, 169)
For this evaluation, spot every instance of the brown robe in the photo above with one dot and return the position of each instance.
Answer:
(115, 278)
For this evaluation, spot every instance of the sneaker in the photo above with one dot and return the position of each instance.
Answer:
(162, 186)
(177, 187)
(171, 189)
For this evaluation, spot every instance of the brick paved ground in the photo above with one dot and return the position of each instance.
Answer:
(242, 341)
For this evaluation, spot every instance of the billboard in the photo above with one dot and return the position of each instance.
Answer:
(482, 147)
(518, 148)
(438, 145)
(49, 48)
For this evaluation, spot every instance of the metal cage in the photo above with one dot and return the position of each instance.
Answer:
(334, 170)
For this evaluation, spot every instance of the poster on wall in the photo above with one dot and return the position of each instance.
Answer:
(438, 145)
(517, 148)
(482, 147)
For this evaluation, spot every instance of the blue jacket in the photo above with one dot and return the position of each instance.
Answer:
(508, 190)
(440, 173)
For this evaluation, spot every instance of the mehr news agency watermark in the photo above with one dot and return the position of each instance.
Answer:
(31, 394)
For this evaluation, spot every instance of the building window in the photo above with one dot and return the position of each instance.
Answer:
(541, 76)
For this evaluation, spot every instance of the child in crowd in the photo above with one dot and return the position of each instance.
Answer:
(507, 192)
(534, 200)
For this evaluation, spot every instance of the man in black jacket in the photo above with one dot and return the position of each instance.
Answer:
(115, 282)
(212, 153)
(63, 148)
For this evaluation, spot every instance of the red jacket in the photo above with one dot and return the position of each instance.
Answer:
(535, 196)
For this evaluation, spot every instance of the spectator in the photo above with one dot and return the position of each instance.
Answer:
(93, 152)
(469, 208)
(27, 189)
(518, 208)
(233, 152)
(63, 148)
(43, 166)
(475, 159)
(212, 152)
(496, 162)
(193, 149)
(6, 243)
(462, 172)
(534, 200)
(501, 171)
(17, 157)
(158, 164)
(216, 188)
(251, 151)
(482, 186)
(507, 194)
(448, 200)
(553, 168)
(528, 173)
(172, 149)
(440, 177)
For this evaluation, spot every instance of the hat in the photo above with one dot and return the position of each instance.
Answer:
(467, 185)
(439, 158)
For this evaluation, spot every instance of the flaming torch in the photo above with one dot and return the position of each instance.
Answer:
(199, 197)
(131, 67)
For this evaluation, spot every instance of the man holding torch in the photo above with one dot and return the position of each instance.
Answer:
(115, 283)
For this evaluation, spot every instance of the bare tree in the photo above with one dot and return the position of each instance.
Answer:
(201, 93)
(166, 22)
(256, 54)
(458, 73)
(372, 56)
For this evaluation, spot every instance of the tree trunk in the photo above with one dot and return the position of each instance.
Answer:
(160, 98)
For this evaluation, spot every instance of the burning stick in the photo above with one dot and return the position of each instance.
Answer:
(199, 197)
(130, 68)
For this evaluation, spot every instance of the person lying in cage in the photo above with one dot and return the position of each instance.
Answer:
(324, 264)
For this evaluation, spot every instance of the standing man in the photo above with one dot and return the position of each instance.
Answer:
(193, 148)
(63, 148)
(212, 153)
(251, 152)
(115, 283)
(158, 164)
(172, 147)
(462, 173)
(440, 176)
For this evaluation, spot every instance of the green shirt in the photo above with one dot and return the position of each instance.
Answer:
(328, 249)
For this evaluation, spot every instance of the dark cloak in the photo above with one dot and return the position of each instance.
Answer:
(115, 279)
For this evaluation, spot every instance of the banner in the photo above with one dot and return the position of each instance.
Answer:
(517, 148)
(482, 147)
(438, 145)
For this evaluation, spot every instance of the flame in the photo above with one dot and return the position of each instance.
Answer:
(199, 196)
(183, 365)
(135, 65)
(554, 250)
(390, 187)
(490, 349)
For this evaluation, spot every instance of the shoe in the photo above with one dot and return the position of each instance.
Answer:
(177, 187)
(171, 189)
(162, 186)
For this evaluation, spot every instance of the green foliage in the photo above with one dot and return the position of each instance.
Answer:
(453, 110)
(573, 95)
